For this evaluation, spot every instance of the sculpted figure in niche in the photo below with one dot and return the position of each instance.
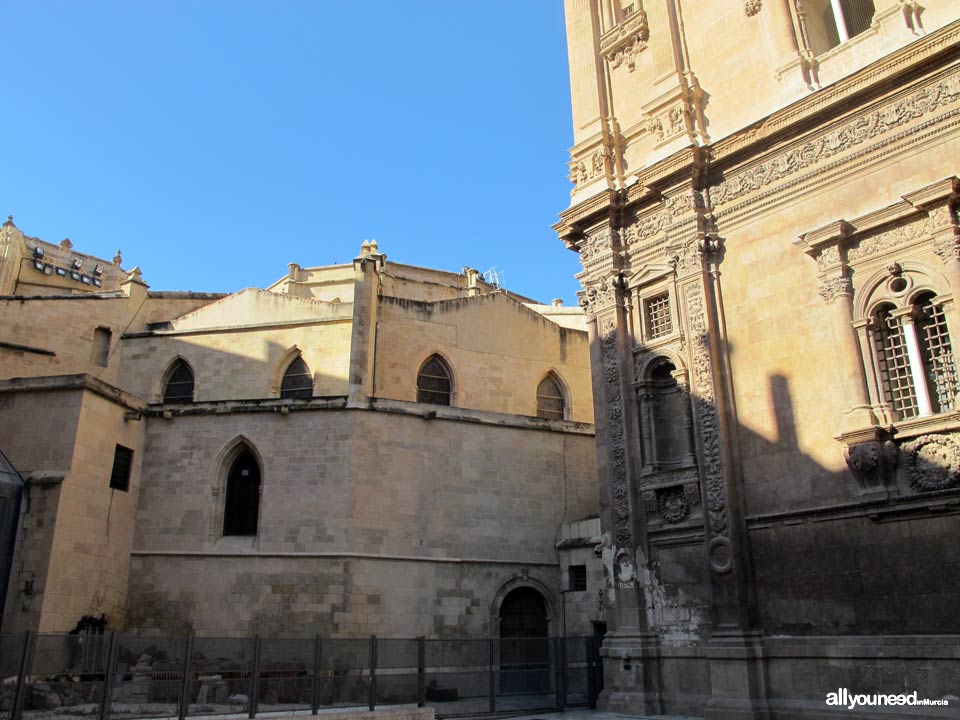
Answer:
(607, 552)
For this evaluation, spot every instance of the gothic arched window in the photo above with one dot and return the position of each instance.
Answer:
(297, 381)
(434, 382)
(179, 385)
(241, 509)
(550, 399)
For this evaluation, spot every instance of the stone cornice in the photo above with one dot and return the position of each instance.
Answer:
(430, 413)
(60, 383)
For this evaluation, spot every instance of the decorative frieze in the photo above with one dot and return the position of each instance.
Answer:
(752, 7)
(868, 126)
(882, 243)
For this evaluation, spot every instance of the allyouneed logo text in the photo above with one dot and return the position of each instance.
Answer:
(851, 701)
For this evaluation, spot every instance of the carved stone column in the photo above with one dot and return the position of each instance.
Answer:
(629, 651)
(735, 647)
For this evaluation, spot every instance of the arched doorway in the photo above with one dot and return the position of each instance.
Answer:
(524, 646)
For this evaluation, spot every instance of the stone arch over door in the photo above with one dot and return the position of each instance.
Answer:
(523, 615)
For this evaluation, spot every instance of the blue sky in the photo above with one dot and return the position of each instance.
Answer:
(214, 141)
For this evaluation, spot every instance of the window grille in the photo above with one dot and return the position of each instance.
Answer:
(550, 401)
(659, 322)
(179, 387)
(578, 578)
(938, 363)
(894, 364)
(297, 381)
(120, 474)
(433, 383)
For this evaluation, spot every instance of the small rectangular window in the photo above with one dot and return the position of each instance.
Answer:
(659, 322)
(122, 462)
(100, 352)
(578, 578)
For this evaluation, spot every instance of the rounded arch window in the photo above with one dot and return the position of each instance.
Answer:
(179, 385)
(241, 509)
(551, 402)
(913, 353)
(434, 382)
(297, 381)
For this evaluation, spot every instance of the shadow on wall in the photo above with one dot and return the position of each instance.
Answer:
(830, 555)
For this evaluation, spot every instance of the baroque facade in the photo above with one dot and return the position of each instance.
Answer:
(367, 448)
(765, 209)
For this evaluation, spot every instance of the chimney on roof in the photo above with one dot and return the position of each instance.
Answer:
(557, 302)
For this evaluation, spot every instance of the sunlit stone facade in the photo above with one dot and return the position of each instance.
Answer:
(765, 209)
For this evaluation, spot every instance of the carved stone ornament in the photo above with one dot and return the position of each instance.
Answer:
(672, 505)
(607, 552)
(831, 288)
(627, 40)
(933, 462)
(882, 243)
(752, 7)
(882, 121)
(616, 446)
(602, 294)
(591, 167)
(872, 464)
(625, 568)
(708, 416)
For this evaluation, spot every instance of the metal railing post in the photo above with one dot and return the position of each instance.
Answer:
(492, 679)
(185, 677)
(26, 663)
(315, 687)
(255, 679)
(557, 682)
(421, 671)
(373, 672)
(591, 678)
(110, 667)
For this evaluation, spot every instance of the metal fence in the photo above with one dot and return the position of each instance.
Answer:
(129, 677)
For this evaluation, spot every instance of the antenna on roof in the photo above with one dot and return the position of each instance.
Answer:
(495, 277)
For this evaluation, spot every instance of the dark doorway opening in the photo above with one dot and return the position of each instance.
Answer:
(242, 504)
(524, 646)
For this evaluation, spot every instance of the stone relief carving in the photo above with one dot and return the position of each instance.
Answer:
(884, 242)
(597, 246)
(707, 413)
(872, 464)
(619, 492)
(828, 257)
(672, 505)
(831, 288)
(601, 294)
(933, 462)
(578, 172)
(752, 7)
(626, 41)
(594, 166)
(607, 551)
(625, 568)
(866, 127)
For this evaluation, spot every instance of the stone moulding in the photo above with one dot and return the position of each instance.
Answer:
(880, 121)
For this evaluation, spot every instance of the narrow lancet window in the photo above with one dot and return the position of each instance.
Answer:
(433, 382)
(297, 381)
